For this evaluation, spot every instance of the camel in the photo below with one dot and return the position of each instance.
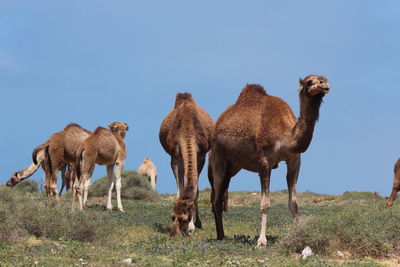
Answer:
(148, 169)
(255, 134)
(186, 135)
(396, 185)
(103, 147)
(60, 149)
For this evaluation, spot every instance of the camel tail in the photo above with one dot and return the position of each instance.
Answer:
(48, 159)
(36, 150)
(188, 148)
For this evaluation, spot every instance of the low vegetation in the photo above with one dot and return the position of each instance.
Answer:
(134, 186)
(356, 224)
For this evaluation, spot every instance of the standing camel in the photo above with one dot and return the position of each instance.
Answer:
(104, 147)
(396, 184)
(186, 135)
(255, 134)
(60, 149)
(50, 155)
(148, 169)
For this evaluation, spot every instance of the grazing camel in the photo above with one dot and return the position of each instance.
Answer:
(148, 169)
(255, 134)
(104, 147)
(60, 149)
(396, 184)
(186, 135)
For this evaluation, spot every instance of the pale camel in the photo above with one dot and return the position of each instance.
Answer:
(396, 184)
(148, 169)
(60, 149)
(103, 147)
(258, 132)
(186, 135)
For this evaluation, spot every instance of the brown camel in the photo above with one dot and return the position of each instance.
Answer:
(60, 149)
(396, 184)
(148, 169)
(104, 147)
(21, 175)
(186, 135)
(258, 132)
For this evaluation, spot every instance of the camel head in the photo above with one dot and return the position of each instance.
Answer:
(119, 128)
(313, 85)
(13, 180)
(182, 98)
(181, 216)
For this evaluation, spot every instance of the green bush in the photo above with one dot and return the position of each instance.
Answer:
(27, 186)
(360, 230)
(134, 186)
(27, 214)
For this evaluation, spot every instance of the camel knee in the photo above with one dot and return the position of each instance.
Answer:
(265, 204)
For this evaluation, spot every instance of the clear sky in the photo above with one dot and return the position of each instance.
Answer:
(95, 62)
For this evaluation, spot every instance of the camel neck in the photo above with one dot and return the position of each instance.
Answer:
(303, 130)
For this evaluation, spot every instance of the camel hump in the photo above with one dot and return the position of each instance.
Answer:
(183, 98)
(101, 130)
(251, 94)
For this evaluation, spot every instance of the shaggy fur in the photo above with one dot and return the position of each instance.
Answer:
(186, 135)
(255, 134)
(103, 147)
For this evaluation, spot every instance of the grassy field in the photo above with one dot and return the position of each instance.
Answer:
(32, 234)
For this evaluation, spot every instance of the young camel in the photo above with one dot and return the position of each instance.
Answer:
(104, 147)
(148, 169)
(255, 134)
(60, 149)
(396, 185)
(186, 135)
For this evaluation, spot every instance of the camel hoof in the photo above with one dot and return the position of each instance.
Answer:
(121, 210)
(262, 242)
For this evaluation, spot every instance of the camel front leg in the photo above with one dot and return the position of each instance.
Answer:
(111, 182)
(118, 172)
(87, 185)
(177, 169)
(265, 175)
(293, 168)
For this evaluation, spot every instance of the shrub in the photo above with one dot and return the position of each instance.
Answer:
(27, 186)
(134, 186)
(361, 230)
(26, 214)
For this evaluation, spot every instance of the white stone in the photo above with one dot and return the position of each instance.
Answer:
(307, 252)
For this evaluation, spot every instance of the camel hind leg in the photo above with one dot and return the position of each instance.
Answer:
(265, 175)
(111, 183)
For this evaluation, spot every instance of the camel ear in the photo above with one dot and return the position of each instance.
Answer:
(109, 125)
(127, 127)
(301, 85)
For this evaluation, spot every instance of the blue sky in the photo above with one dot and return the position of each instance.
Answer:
(94, 62)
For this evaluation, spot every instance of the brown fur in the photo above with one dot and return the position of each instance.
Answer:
(186, 135)
(396, 184)
(60, 149)
(258, 132)
(148, 169)
(103, 147)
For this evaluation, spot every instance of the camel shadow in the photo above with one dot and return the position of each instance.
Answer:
(162, 228)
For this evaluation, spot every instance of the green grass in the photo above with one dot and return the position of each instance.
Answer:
(354, 223)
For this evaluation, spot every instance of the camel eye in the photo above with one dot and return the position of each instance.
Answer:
(321, 81)
(310, 82)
